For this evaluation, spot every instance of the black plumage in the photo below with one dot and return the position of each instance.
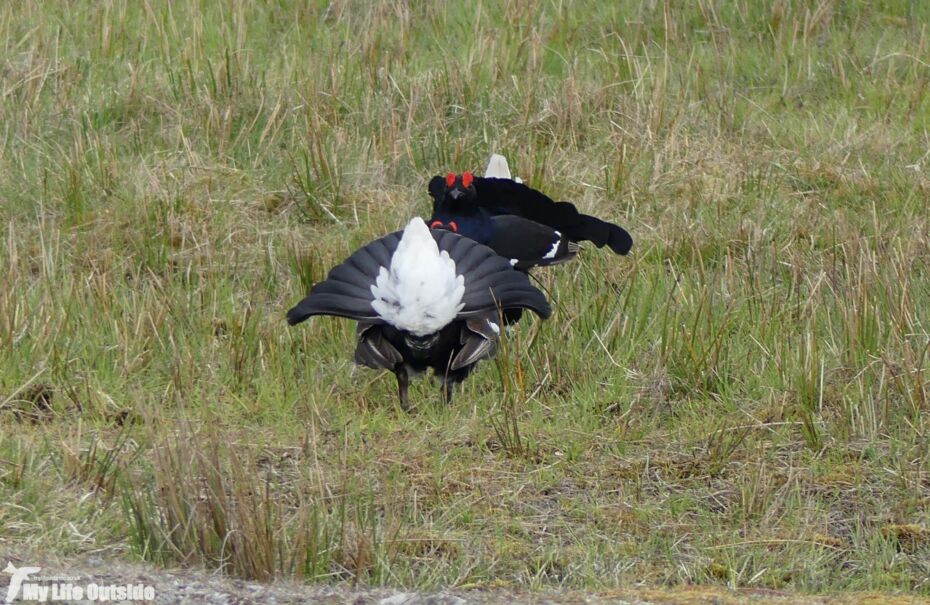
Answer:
(476, 205)
(452, 355)
(491, 287)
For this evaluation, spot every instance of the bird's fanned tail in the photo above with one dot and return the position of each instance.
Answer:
(490, 282)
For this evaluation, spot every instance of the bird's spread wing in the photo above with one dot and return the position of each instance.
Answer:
(529, 243)
(373, 350)
(479, 339)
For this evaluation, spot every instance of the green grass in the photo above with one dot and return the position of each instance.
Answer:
(743, 401)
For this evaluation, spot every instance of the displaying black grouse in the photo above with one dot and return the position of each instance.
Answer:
(516, 221)
(424, 299)
(524, 242)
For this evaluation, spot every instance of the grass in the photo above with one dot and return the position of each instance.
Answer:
(743, 401)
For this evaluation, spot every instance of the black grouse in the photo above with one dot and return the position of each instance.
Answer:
(424, 299)
(516, 221)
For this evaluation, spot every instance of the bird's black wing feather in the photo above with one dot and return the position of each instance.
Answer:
(530, 243)
(373, 350)
(479, 340)
(505, 196)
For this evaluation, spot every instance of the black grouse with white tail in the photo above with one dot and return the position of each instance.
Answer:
(424, 299)
(526, 243)
(517, 221)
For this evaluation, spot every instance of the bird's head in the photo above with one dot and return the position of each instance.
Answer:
(454, 199)
(460, 190)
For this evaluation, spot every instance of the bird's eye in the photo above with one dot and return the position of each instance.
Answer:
(467, 179)
(450, 179)
(454, 226)
(435, 224)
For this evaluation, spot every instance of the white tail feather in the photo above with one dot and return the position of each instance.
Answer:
(421, 292)
(497, 167)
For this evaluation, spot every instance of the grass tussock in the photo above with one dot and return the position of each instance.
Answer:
(255, 517)
(744, 401)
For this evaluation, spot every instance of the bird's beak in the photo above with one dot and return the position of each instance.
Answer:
(456, 194)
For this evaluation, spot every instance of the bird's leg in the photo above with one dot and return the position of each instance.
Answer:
(403, 382)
